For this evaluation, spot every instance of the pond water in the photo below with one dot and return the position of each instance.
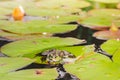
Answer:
(83, 33)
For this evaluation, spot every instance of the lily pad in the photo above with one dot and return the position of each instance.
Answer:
(30, 9)
(34, 46)
(107, 12)
(107, 1)
(105, 35)
(116, 56)
(12, 4)
(10, 64)
(94, 67)
(111, 46)
(78, 50)
(4, 11)
(67, 19)
(45, 12)
(13, 37)
(35, 10)
(63, 3)
(97, 22)
(35, 26)
(34, 74)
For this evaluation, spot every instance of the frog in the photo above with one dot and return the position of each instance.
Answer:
(56, 56)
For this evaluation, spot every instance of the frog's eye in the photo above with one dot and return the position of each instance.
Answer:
(62, 54)
(49, 57)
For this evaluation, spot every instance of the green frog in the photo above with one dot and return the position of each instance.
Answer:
(55, 56)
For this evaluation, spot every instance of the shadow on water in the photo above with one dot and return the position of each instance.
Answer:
(37, 66)
(3, 42)
(83, 33)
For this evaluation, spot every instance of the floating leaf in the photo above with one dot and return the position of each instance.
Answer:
(4, 11)
(11, 36)
(105, 35)
(63, 3)
(107, 1)
(107, 12)
(12, 64)
(116, 56)
(35, 27)
(95, 67)
(46, 12)
(38, 9)
(75, 3)
(67, 19)
(111, 46)
(34, 46)
(78, 50)
(12, 4)
(34, 74)
(98, 22)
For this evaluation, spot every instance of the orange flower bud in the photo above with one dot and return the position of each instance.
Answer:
(18, 13)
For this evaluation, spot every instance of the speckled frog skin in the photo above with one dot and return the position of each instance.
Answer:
(55, 56)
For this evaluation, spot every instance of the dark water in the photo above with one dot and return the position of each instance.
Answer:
(83, 33)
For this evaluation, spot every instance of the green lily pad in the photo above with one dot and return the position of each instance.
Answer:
(75, 3)
(98, 22)
(34, 74)
(4, 13)
(45, 12)
(116, 56)
(34, 46)
(12, 4)
(111, 46)
(3, 17)
(12, 64)
(78, 50)
(107, 12)
(13, 37)
(35, 9)
(67, 19)
(30, 9)
(107, 1)
(48, 4)
(95, 67)
(35, 27)
(63, 3)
